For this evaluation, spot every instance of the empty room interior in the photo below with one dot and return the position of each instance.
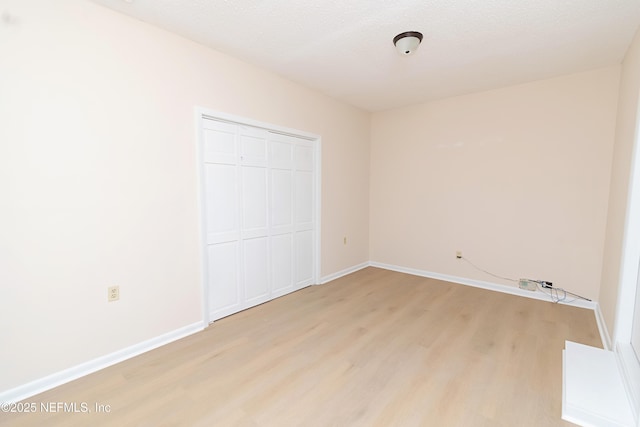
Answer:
(287, 213)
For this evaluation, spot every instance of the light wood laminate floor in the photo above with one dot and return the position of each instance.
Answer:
(375, 348)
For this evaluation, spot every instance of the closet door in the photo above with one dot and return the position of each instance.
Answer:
(303, 212)
(281, 149)
(259, 209)
(221, 191)
(254, 231)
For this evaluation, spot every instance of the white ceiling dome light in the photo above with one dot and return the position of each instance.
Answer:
(407, 42)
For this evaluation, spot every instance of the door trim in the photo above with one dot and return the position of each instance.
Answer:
(628, 282)
(207, 114)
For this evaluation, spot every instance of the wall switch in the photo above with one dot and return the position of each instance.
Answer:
(458, 254)
(344, 240)
(113, 293)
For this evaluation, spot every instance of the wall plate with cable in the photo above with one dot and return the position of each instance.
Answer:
(527, 285)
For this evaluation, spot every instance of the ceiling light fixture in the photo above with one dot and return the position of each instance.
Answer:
(407, 42)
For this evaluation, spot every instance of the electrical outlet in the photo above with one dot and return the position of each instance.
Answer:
(113, 293)
(458, 254)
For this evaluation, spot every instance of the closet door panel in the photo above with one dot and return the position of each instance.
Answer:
(303, 164)
(254, 202)
(224, 290)
(281, 154)
(219, 143)
(282, 263)
(221, 196)
(304, 199)
(253, 146)
(303, 156)
(304, 258)
(281, 201)
(256, 271)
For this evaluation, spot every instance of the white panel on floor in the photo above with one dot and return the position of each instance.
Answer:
(593, 393)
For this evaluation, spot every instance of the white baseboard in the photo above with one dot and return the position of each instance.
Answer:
(480, 284)
(43, 384)
(602, 328)
(54, 380)
(341, 273)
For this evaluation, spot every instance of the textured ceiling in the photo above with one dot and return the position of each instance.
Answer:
(344, 47)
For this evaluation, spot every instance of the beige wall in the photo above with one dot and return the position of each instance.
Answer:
(620, 174)
(516, 178)
(99, 181)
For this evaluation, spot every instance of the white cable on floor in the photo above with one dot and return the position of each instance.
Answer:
(554, 293)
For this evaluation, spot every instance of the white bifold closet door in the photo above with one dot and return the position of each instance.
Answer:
(259, 206)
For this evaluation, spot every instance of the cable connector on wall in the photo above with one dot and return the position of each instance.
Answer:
(532, 284)
(527, 285)
(542, 283)
(557, 295)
